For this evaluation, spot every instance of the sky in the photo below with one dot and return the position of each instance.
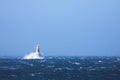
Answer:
(60, 27)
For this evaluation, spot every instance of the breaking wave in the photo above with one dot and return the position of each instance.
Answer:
(33, 55)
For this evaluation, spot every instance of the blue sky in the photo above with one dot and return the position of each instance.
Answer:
(61, 27)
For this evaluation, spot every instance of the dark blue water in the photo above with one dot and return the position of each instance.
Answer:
(61, 68)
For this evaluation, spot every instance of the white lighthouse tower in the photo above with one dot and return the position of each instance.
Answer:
(37, 49)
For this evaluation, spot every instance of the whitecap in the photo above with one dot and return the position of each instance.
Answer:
(50, 58)
(39, 73)
(76, 63)
(100, 67)
(99, 61)
(92, 69)
(50, 66)
(67, 68)
(58, 69)
(118, 59)
(32, 74)
(81, 67)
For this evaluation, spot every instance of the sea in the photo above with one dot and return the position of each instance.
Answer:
(61, 68)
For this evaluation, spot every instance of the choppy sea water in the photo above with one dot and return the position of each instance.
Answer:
(61, 68)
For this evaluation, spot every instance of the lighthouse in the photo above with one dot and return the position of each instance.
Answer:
(34, 55)
(37, 49)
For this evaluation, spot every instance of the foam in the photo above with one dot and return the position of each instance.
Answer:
(33, 55)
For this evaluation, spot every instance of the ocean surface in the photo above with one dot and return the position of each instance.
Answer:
(61, 68)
